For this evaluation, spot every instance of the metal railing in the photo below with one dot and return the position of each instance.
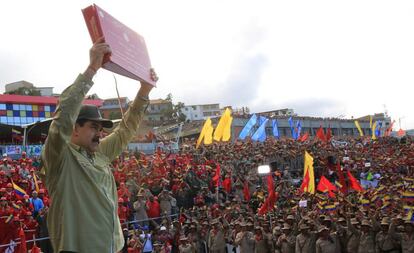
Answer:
(124, 223)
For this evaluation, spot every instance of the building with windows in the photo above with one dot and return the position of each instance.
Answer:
(156, 110)
(110, 108)
(44, 91)
(20, 110)
(200, 112)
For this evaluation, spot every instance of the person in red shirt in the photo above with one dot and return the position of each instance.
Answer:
(5, 209)
(3, 179)
(15, 175)
(123, 191)
(3, 192)
(153, 210)
(43, 197)
(9, 192)
(123, 211)
(24, 159)
(27, 203)
(30, 227)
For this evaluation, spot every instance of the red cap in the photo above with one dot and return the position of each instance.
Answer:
(28, 214)
(2, 189)
(41, 190)
(120, 200)
(3, 198)
(9, 185)
(19, 202)
(26, 196)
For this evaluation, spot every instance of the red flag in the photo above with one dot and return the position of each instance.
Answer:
(400, 133)
(264, 208)
(246, 191)
(324, 185)
(216, 177)
(304, 137)
(271, 190)
(35, 249)
(270, 200)
(320, 134)
(305, 182)
(329, 134)
(22, 246)
(227, 184)
(269, 203)
(341, 178)
(354, 183)
(389, 130)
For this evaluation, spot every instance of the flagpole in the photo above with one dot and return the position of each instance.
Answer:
(24, 138)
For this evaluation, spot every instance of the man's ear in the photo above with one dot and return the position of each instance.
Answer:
(76, 129)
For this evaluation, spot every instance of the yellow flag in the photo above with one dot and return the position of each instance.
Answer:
(218, 133)
(208, 137)
(35, 181)
(202, 133)
(370, 121)
(309, 170)
(227, 129)
(359, 128)
(373, 130)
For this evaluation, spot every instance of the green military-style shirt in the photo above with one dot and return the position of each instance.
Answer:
(83, 216)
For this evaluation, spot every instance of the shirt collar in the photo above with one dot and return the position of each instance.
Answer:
(82, 151)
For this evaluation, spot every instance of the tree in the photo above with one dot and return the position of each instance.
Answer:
(178, 111)
(169, 97)
(25, 92)
(175, 111)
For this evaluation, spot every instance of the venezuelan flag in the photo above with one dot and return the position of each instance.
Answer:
(19, 191)
(320, 206)
(408, 208)
(365, 202)
(330, 208)
(410, 215)
(408, 179)
(385, 206)
(408, 196)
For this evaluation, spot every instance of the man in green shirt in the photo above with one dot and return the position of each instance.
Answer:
(83, 214)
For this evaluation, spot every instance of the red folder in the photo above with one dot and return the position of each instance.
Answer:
(129, 53)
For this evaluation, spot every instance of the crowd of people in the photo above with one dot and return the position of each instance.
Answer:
(212, 199)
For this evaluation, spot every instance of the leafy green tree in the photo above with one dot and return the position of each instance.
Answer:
(25, 92)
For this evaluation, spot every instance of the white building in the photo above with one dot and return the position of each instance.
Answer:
(201, 112)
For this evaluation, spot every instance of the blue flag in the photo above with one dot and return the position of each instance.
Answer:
(248, 127)
(298, 129)
(275, 130)
(378, 128)
(261, 120)
(292, 128)
(260, 134)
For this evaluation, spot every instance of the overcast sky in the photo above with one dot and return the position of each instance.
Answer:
(320, 58)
